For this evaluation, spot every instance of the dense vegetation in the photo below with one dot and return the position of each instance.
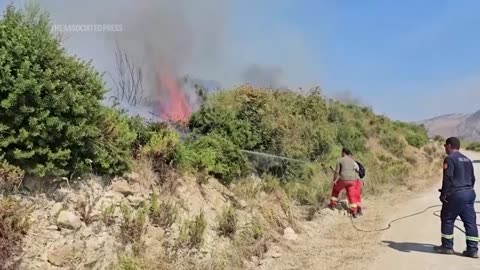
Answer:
(52, 124)
(309, 128)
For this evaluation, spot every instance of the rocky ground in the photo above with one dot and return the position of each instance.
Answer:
(86, 225)
(182, 222)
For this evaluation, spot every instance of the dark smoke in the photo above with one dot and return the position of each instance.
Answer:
(263, 76)
(347, 97)
(186, 37)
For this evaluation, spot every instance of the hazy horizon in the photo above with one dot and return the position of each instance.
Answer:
(409, 70)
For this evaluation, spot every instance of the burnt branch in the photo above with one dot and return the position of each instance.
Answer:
(129, 80)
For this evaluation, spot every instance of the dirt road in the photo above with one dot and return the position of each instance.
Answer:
(330, 242)
(408, 244)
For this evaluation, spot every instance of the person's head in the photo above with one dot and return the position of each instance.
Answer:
(346, 152)
(452, 144)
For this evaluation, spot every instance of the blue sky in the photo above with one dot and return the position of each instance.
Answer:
(405, 58)
(408, 59)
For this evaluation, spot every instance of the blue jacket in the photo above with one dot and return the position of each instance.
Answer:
(458, 173)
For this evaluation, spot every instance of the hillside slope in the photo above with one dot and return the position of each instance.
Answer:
(465, 126)
(85, 186)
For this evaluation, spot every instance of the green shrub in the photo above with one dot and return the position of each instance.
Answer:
(51, 118)
(162, 144)
(416, 140)
(393, 144)
(224, 122)
(474, 147)
(351, 137)
(112, 149)
(218, 156)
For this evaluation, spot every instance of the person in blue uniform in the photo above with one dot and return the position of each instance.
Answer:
(458, 199)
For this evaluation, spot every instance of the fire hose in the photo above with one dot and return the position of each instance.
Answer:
(389, 225)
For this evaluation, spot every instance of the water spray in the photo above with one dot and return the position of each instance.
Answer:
(281, 157)
(274, 156)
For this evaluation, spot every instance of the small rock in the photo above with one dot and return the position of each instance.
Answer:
(52, 228)
(60, 194)
(275, 254)
(122, 186)
(57, 207)
(135, 200)
(110, 194)
(289, 234)
(87, 232)
(68, 220)
(154, 232)
(61, 256)
(255, 260)
(242, 204)
(57, 259)
(133, 176)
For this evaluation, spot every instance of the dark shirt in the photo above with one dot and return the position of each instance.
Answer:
(458, 173)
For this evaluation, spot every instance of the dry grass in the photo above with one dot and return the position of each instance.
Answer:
(108, 215)
(14, 224)
(10, 177)
(144, 168)
(163, 213)
(228, 222)
(247, 189)
(85, 208)
(192, 232)
(139, 263)
(132, 227)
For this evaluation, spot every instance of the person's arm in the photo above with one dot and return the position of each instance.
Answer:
(473, 175)
(336, 175)
(448, 173)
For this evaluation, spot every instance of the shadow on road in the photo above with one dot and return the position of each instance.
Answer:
(410, 247)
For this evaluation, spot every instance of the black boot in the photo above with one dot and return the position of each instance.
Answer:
(359, 211)
(443, 250)
(471, 254)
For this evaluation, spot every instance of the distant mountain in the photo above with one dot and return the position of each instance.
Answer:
(465, 126)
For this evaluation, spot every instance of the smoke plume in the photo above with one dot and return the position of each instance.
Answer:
(261, 76)
(169, 39)
(347, 97)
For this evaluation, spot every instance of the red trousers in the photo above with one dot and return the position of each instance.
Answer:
(359, 192)
(353, 195)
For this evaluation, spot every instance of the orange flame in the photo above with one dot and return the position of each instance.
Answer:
(173, 105)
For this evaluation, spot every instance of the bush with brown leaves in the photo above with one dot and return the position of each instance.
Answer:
(14, 224)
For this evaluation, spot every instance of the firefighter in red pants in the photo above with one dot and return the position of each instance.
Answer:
(346, 177)
(358, 184)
